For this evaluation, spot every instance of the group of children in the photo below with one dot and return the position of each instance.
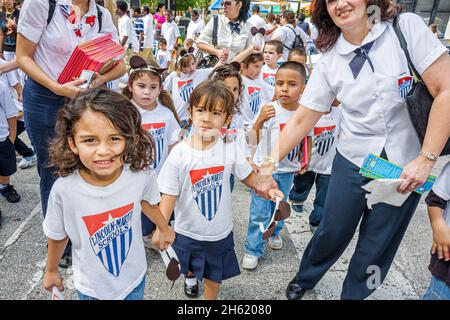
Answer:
(170, 148)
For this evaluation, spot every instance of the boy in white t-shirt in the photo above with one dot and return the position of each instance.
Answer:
(163, 57)
(273, 51)
(256, 92)
(324, 142)
(289, 85)
(438, 201)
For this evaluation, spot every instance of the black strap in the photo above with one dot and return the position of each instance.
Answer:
(296, 35)
(215, 30)
(404, 46)
(52, 7)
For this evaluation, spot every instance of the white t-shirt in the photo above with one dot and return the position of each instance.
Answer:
(256, 21)
(286, 35)
(57, 40)
(236, 133)
(268, 74)
(195, 28)
(324, 140)
(104, 225)
(270, 133)
(442, 189)
(256, 93)
(164, 128)
(163, 58)
(170, 32)
(148, 31)
(182, 86)
(201, 182)
(126, 29)
(8, 109)
(11, 80)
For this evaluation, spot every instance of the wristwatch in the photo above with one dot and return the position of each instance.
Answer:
(429, 156)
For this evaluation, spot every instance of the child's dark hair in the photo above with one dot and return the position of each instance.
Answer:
(253, 58)
(293, 65)
(211, 92)
(228, 71)
(138, 69)
(122, 114)
(277, 44)
(297, 51)
(162, 41)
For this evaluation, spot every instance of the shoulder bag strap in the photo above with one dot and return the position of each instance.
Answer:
(404, 46)
(215, 30)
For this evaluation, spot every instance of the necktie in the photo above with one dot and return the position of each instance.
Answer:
(362, 54)
(235, 27)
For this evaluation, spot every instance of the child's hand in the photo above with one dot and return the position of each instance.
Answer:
(267, 112)
(441, 238)
(166, 238)
(53, 279)
(275, 193)
(255, 168)
(155, 238)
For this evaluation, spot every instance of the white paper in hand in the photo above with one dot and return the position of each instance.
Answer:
(385, 190)
(56, 294)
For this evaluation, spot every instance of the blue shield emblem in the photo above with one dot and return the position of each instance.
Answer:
(185, 89)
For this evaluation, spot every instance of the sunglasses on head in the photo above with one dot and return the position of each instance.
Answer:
(282, 212)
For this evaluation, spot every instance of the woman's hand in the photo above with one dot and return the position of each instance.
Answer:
(275, 193)
(441, 239)
(264, 181)
(69, 89)
(98, 81)
(53, 279)
(223, 55)
(415, 174)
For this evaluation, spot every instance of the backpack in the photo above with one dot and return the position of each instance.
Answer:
(298, 41)
(51, 11)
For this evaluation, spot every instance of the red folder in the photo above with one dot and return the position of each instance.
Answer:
(99, 55)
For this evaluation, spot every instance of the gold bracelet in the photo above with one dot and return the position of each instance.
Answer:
(272, 161)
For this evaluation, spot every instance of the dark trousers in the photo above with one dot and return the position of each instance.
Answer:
(19, 145)
(380, 233)
(40, 106)
(301, 188)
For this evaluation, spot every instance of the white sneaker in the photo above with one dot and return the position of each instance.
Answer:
(249, 262)
(275, 242)
(27, 162)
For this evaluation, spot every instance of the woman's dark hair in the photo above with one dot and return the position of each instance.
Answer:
(290, 16)
(229, 71)
(270, 17)
(329, 32)
(122, 114)
(212, 92)
(146, 9)
(160, 5)
(122, 5)
(137, 62)
(243, 13)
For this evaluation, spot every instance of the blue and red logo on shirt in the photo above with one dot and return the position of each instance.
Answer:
(404, 85)
(269, 78)
(324, 138)
(207, 189)
(185, 89)
(294, 153)
(157, 130)
(110, 235)
(254, 98)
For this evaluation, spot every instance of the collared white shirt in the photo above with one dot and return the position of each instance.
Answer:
(286, 35)
(195, 28)
(148, 31)
(256, 21)
(126, 29)
(170, 32)
(236, 43)
(56, 42)
(374, 115)
(8, 109)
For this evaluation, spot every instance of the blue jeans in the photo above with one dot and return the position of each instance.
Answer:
(136, 294)
(437, 290)
(260, 211)
(40, 107)
(302, 186)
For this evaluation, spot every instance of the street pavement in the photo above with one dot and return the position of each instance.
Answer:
(23, 255)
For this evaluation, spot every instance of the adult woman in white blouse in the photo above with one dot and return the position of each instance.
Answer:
(363, 67)
(43, 49)
(234, 32)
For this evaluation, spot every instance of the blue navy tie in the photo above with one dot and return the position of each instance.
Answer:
(235, 27)
(362, 54)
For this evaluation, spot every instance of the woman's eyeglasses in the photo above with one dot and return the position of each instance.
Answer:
(225, 4)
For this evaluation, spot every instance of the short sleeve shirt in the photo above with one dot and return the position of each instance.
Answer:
(56, 42)
(442, 189)
(256, 93)
(374, 112)
(104, 225)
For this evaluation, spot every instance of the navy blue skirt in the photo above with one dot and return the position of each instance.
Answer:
(213, 260)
